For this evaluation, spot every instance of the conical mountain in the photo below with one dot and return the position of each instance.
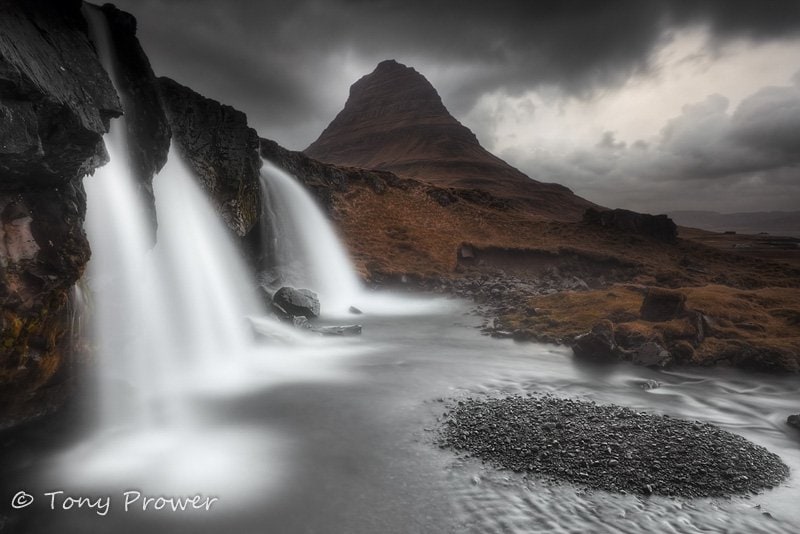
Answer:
(395, 120)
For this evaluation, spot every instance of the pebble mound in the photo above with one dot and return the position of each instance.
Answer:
(609, 447)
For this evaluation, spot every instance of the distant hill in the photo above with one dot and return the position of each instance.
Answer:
(394, 120)
(773, 222)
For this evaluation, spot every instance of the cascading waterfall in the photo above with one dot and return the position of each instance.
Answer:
(307, 253)
(168, 314)
(304, 247)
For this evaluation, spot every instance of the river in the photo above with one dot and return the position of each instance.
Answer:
(338, 436)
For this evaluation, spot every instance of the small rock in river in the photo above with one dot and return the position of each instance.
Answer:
(794, 420)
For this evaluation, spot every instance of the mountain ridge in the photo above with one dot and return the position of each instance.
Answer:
(395, 120)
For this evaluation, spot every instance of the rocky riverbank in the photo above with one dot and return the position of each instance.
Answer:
(609, 447)
(605, 317)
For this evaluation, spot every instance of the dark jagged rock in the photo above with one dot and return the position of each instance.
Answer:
(148, 130)
(289, 302)
(56, 102)
(662, 304)
(394, 120)
(658, 227)
(52, 118)
(216, 142)
(598, 345)
(610, 447)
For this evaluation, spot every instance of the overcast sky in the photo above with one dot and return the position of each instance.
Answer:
(648, 105)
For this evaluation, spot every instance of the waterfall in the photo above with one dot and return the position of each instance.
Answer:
(167, 317)
(306, 252)
(303, 246)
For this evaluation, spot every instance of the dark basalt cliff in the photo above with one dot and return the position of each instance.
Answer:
(394, 120)
(56, 102)
(219, 146)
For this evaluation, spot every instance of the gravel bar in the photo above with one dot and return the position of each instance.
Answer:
(609, 447)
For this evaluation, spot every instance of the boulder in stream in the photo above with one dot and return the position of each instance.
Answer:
(794, 420)
(598, 345)
(651, 354)
(288, 302)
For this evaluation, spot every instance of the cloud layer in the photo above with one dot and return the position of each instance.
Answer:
(697, 159)
(288, 64)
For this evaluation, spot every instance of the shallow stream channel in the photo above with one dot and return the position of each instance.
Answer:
(342, 436)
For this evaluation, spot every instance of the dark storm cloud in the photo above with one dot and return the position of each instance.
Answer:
(274, 59)
(708, 157)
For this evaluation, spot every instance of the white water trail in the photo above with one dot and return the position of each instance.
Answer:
(307, 252)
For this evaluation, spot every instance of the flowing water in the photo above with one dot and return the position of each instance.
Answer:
(352, 450)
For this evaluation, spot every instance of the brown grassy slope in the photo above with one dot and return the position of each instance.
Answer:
(752, 306)
(757, 327)
(408, 232)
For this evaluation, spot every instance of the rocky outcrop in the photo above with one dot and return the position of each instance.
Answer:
(597, 345)
(56, 102)
(394, 120)
(216, 142)
(147, 127)
(658, 227)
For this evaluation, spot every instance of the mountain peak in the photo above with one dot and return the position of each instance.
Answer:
(395, 120)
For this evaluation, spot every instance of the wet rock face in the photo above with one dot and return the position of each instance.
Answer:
(56, 100)
(288, 303)
(220, 148)
(610, 447)
(658, 227)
